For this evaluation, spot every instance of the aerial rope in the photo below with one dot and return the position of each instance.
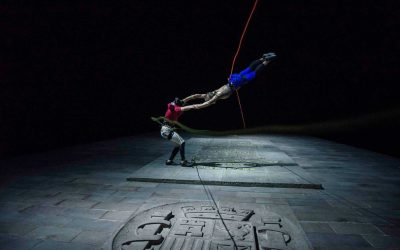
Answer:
(237, 53)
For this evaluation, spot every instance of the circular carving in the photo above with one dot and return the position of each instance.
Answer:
(198, 225)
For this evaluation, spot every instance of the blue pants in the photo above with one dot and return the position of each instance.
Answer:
(248, 74)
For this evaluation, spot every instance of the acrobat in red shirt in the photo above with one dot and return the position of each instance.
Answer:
(173, 112)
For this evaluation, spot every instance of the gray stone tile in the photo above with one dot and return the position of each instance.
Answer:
(10, 206)
(309, 213)
(11, 216)
(142, 192)
(17, 243)
(354, 228)
(57, 245)
(135, 184)
(117, 215)
(73, 203)
(82, 213)
(46, 220)
(276, 201)
(346, 248)
(334, 240)
(8, 192)
(54, 233)
(41, 210)
(385, 242)
(93, 224)
(134, 200)
(327, 217)
(104, 197)
(52, 200)
(309, 202)
(92, 237)
(316, 227)
(117, 206)
(16, 228)
(390, 230)
(66, 196)
(179, 195)
(99, 181)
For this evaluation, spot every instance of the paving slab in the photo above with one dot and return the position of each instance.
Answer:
(117, 215)
(116, 206)
(16, 228)
(52, 245)
(95, 238)
(231, 162)
(385, 242)
(17, 243)
(54, 233)
(355, 228)
(316, 227)
(100, 225)
(73, 203)
(338, 241)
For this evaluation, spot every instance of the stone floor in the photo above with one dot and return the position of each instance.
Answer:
(79, 197)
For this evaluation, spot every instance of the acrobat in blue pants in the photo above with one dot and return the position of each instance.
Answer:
(235, 82)
(245, 76)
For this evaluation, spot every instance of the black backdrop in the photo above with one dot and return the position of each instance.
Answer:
(78, 72)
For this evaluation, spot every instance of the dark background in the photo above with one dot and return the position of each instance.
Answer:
(72, 73)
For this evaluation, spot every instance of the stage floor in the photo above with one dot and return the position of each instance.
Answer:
(326, 195)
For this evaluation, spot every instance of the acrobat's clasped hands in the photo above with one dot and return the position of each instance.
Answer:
(175, 108)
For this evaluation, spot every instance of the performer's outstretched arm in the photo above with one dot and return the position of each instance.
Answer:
(197, 106)
(205, 104)
(193, 97)
(221, 93)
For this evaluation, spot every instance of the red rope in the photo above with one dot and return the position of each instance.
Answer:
(237, 53)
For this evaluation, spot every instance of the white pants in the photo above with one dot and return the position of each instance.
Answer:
(169, 134)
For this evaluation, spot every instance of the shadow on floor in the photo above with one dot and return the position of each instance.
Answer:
(239, 165)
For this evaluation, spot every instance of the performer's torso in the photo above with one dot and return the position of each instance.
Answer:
(173, 112)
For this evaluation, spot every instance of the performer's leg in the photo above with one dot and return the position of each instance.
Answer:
(169, 134)
(255, 64)
(182, 151)
(184, 162)
(252, 74)
(173, 154)
(252, 66)
(260, 67)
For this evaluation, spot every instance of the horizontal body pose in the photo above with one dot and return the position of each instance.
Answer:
(236, 81)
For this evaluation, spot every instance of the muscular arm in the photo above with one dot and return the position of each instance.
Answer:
(202, 105)
(221, 93)
(195, 96)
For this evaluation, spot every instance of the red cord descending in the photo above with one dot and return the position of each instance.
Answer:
(237, 53)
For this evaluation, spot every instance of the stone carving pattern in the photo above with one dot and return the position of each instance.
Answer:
(199, 227)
